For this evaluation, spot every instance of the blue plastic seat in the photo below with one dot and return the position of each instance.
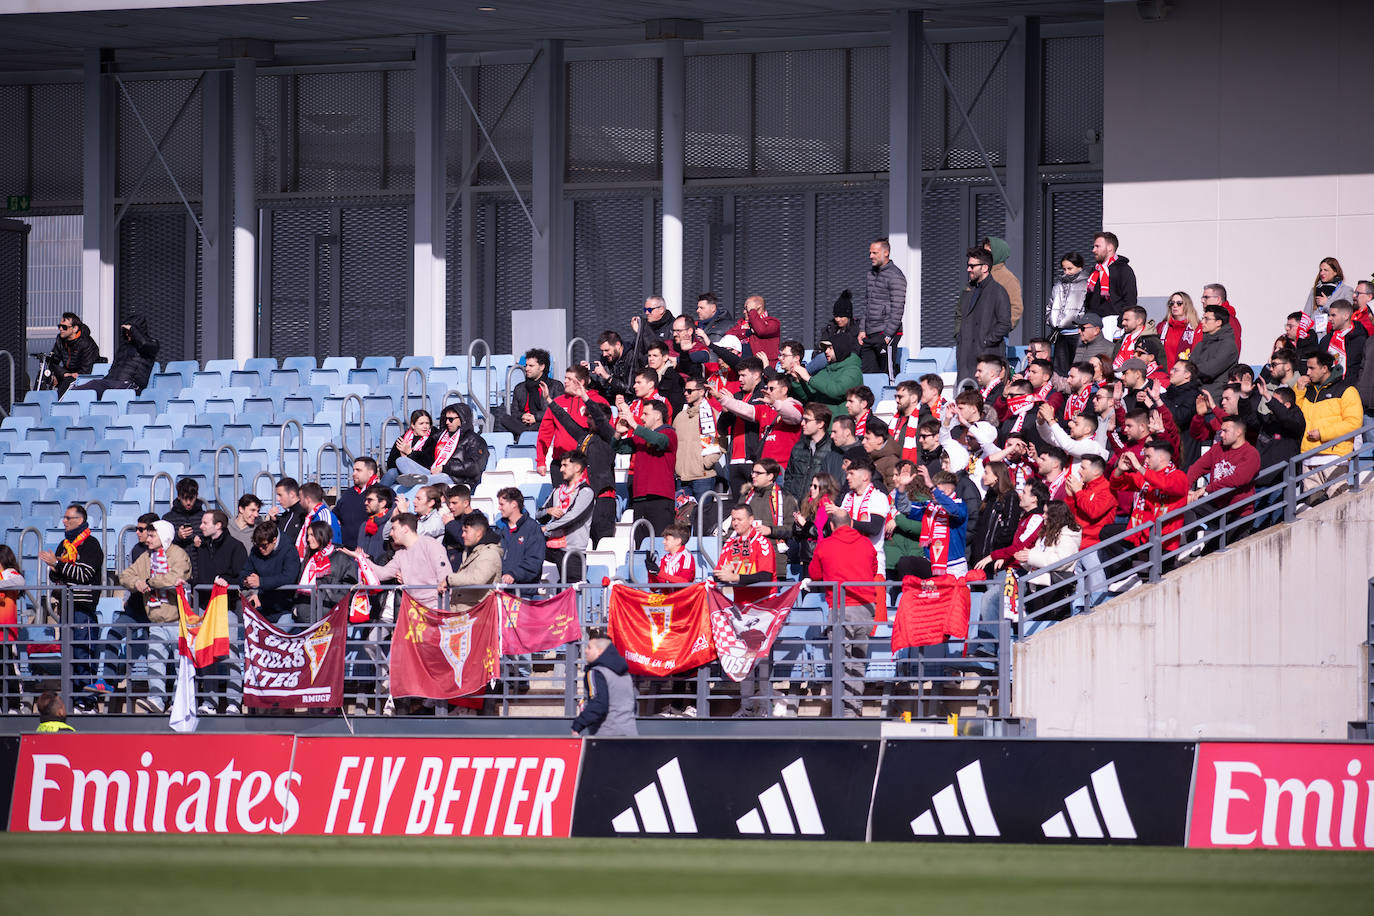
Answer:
(44, 434)
(120, 396)
(197, 435)
(370, 377)
(173, 456)
(34, 412)
(417, 361)
(221, 365)
(260, 364)
(82, 435)
(143, 408)
(250, 380)
(209, 379)
(70, 411)
(285, 380)
(44, 399)
(378, 362)
(327, 377)
(78, 396)
(183, 367)
(301, 363)
(341, 363)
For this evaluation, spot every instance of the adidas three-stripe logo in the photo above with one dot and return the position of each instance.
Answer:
(1107, 791)
(794, 787)
(651, 808)
(946, 808)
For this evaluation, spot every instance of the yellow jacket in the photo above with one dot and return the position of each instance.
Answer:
(1332, 410)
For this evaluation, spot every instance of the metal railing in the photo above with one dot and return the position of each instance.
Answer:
(300, 447)
(405, 389)
(823, 659)
(572, 346)
(342, 463)
(484, 405)
(1214, 522)
(152, 490)
(104, 528)
(362, 424)
(231, 505)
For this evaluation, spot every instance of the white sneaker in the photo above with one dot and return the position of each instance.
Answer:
(232, 709)
(780, 710)
(206, 708)
(1124, 585)
(690, 712)
(152, 705)
(390, 708)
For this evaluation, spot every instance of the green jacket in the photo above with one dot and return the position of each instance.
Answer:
(904, 542)
(829, 386)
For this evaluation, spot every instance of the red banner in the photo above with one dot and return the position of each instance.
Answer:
(437, 787)
(660, 634)
(534, 626)
(290, 670)
(1283, 796)
(155, 784)
(743, 634)
(443, 656)
(930, 611)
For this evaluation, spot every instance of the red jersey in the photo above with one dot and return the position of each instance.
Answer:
(752, 553)
(680, 566)
(779, 435)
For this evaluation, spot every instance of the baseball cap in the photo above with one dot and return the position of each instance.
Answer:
(1089, 318)
(1136, 364)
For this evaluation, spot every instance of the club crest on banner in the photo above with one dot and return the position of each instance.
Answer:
(317, 647)
(455, 641)
(660, 619)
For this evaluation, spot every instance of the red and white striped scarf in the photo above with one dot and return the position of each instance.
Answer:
(935, 536)
(1337, 346)
(317, 565)
(1020, 405)
(1077, 403)
(443, 451)
(1101, 279)
(320, 512)
(1058, 486)
(909, 436)
(157, 566)
(680, 564)
(1127, 350)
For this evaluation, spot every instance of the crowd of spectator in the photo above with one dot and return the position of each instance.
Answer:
(1113, 419)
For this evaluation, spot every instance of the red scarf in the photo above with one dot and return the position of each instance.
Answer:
(1305, 325)
(1101, 279)
(1020, 405)
(443, 451)
(678, 564)
(909, 436)
(1057, 486)
(935, 537)
(861, 423)
(1077, 403)
(371, 526)
(1127, 349)
(305, 529)
(317, 565)
(371, 482)
(67, 552)
(1337, 346)
(987, 392)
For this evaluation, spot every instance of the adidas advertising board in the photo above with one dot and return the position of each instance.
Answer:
(726, 788)
(1026, 791)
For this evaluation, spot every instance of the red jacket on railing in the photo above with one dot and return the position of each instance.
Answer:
(1093, 507)
(1157, 492)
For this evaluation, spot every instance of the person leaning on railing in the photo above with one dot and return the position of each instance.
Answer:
(1333, 409)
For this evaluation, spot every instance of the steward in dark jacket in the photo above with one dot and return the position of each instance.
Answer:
(469, 459)
(609, 709)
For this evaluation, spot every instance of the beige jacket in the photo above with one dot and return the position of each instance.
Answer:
(480, 566)
(178, 570)
(691, 463)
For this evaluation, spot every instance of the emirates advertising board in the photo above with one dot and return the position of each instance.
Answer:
(277, 784)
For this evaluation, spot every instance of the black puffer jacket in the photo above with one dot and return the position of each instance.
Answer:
(468, 462)
(77, 356)
(133, 359)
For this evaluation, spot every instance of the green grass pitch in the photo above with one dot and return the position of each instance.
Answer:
(255, 876)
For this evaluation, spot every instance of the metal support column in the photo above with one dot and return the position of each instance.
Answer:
(216, 216)
(549, 155)
(245, 210)
(429, 316)
(1023, 157)
(98, 242)
(904, 163)
(674, 159)
(470, 266)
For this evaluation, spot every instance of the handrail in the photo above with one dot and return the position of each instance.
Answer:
(362, 424)
(701, 520)
(300, 447)
(9, 357)
(234, 453)
(271, 485)
(405, 389)
(121, 556)
(42, 576)
(586, 351)
(568, 553)
(1218, 521)
(510, 389)
(485, 404)
(340, 456)
(152, 490)
(104, 521)
(382, 440)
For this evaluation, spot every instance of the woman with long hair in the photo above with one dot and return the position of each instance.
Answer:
(1060, 537)
(1065, 308)
(1032, 497)
(1328, 286)
(999, 514)
(1179, 327)
(412, 453)
(811, 522)
(11, 586)
(324, 564)
(1102, 370)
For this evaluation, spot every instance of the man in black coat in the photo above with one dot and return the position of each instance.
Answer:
(1345, 338)
(74, 352)
(289, 513)
(349, 509)
(271, 568)
(133, 359)
(218, 559)
(186, 512)
(983, 316)
(530, 398)
(1112, 287)
(468, 462)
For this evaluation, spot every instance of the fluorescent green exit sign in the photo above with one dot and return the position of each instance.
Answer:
(17, 203)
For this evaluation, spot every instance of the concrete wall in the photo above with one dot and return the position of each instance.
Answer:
(1238, 148)
(1264, 640)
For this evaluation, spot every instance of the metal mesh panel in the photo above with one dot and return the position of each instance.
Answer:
(157, 103)
(942, 267)
(608, 263)
(613, 123)
(513, 136)
(845, 224)
(515, 251)
(13, 264)
(799, 102)
(868, 110)
(57, 125)
(295, 322)
(969, 63)
(703, 250)
(770, 242)
(1073, 97)
(152, 274)
(54, 274)
(375, 287)
(1075, 214)
(14, 142)
(455, 116)
(339, 131)
(989, 215)
(718, 116)
(267, 133)
(453, 274)
(933, 109)
(400, 129)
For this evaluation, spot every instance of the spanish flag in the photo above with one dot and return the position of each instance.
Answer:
(204, 637)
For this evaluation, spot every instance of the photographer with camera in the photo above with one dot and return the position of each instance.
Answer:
(74, 353)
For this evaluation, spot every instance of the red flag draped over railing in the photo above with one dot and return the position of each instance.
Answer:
(742, 635)
(289, 670)
(930, 611)
(658, 633)
(528, 627)
(442, 656)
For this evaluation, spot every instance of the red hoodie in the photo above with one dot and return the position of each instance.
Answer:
(847, 556)
(1093, 507)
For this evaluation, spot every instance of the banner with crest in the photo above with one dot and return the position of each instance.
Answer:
(744, 633)
(661, 633)
(528, 627)
(443, 656)
(294, 670)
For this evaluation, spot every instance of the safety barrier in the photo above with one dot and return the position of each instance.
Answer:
(1125, 793)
